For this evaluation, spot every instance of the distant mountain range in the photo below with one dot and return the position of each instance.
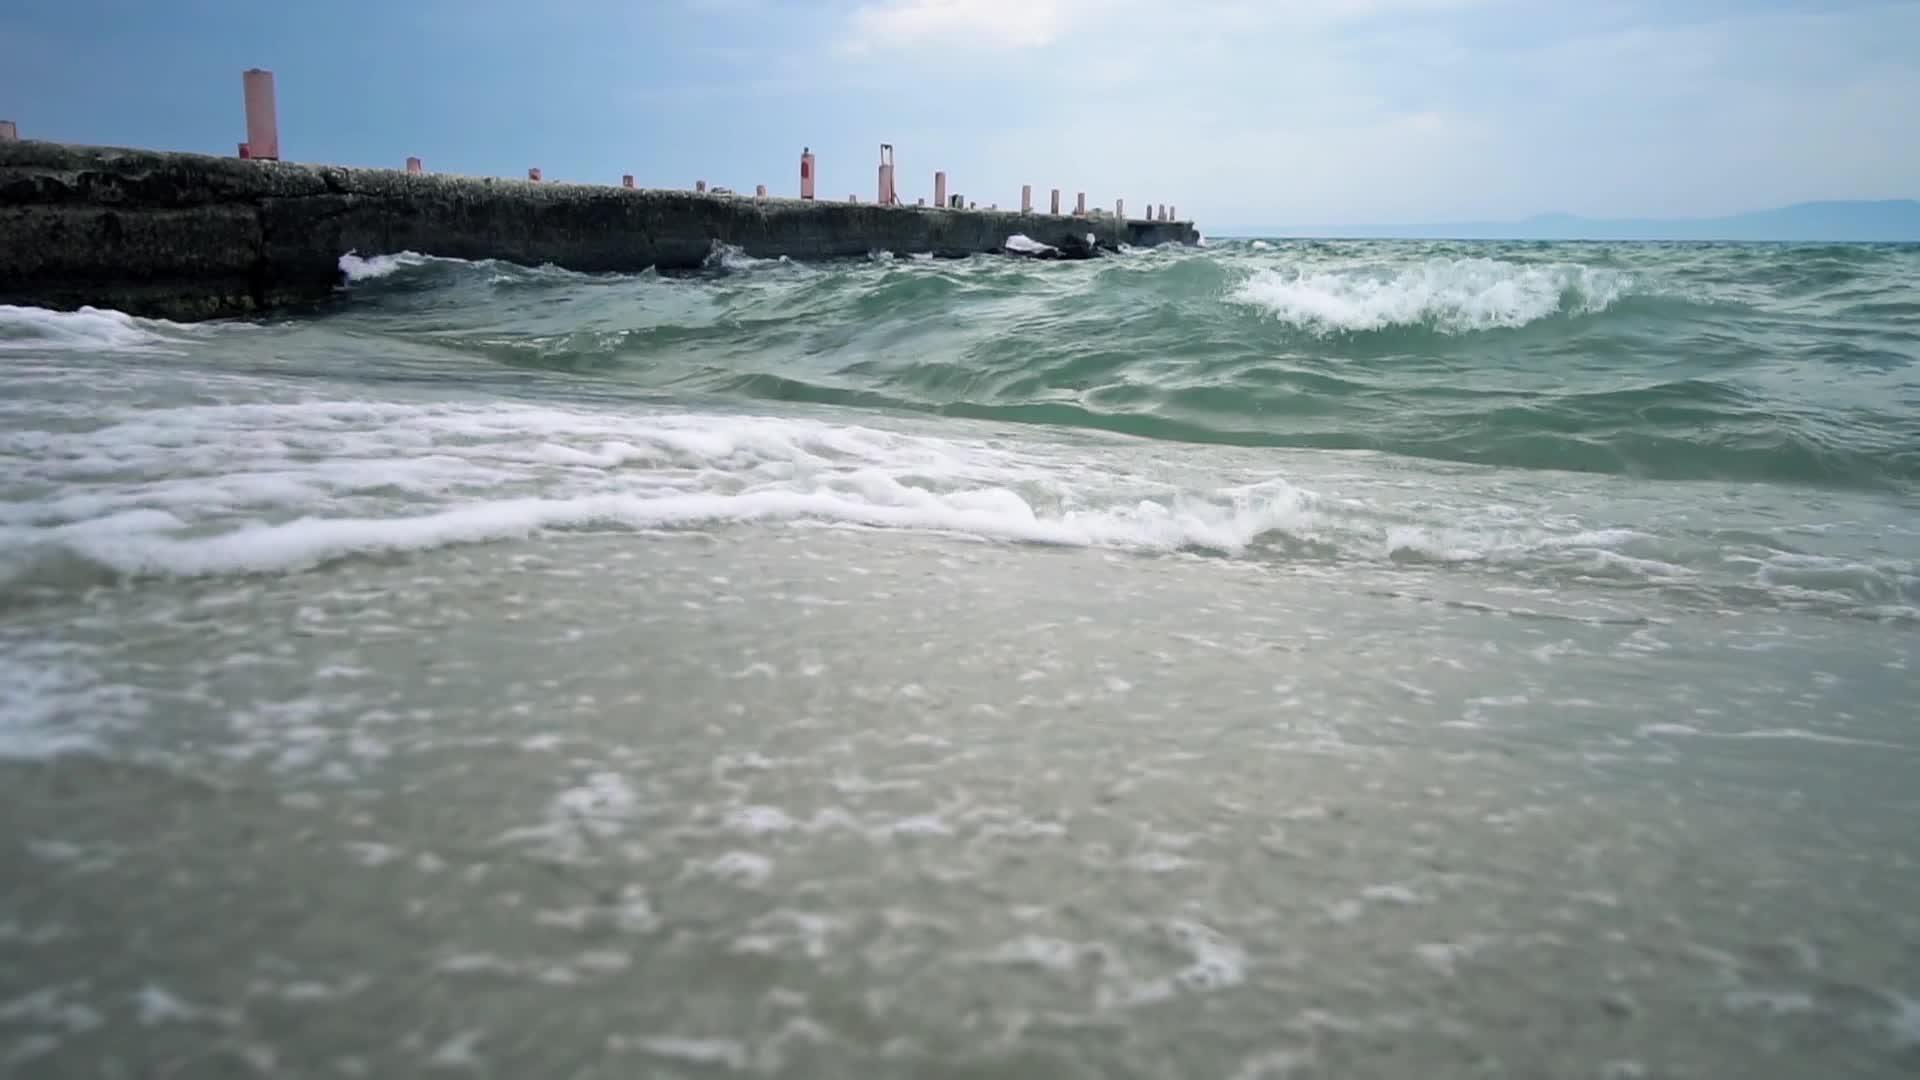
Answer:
(1840, 221)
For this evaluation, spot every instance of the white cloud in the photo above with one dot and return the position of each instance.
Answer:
(1003, 24)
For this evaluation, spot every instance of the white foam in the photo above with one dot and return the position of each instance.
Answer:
(728, 1053)
(154, 1005)
(733, 258)
(1022, 244)
(1449, 295)
(369, 268)
(760, 820)
(1049, 954)
(51, 707)
(742, 868)
(458, 1051)
(269, 488)
(87, 328)
(1391, 894)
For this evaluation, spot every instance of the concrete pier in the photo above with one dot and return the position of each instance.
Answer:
(189, 236)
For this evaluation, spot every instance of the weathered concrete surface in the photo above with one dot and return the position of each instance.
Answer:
(187, 236)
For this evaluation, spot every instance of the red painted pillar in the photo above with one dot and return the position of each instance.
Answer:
(414, 168)
(263, 125)
(533, 175)
(939, 189)
(806, 173)
(1026, 198)
(1056, 201)
(243, 151)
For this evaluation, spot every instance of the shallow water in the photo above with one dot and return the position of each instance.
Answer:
(1269, 660)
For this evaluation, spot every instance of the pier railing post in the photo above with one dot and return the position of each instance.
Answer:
(886, 195)
(533, 175)
(626, 180)
(414, 168)
(939, 189)
(700, 186)
(1173, 213)
(263, 125)
(1026, 198)
(1056, 202)
(9, 131)
(759, 191)
(806, 173)
(1080, 204)
(1120, 209)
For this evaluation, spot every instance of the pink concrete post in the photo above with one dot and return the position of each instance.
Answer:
(939, 189)
(886, 195)
(1026, 198)
(626, 180)
(9, 131)
(806, 173)
(533, 175)
(759, 191)
(414, 168)
(1080, 205)
(700, 186)
(263, 126)
(1056, 201)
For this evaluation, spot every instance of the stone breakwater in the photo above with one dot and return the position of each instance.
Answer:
(190, 236)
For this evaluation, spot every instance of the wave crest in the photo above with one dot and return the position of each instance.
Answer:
(1451, 296)
(87, 328)
(357, 267)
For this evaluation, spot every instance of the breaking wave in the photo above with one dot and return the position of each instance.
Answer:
(1453, 296)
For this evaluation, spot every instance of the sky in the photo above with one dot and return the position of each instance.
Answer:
(1235, 111)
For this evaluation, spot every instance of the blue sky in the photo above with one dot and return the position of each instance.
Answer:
(1237, 111)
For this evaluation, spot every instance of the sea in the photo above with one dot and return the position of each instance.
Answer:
(1258, 659)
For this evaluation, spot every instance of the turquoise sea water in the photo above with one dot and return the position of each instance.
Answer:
(1267, 659)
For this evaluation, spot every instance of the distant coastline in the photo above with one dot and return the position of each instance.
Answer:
(1845, 221)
